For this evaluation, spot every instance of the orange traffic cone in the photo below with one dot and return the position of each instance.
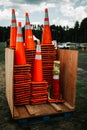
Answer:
(38, 74)
(46, 35)
(29, 41)
(55, 92)
(20, 58)
(13, 30)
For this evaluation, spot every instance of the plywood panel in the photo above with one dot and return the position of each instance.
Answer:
(9, 62)
(68, 74)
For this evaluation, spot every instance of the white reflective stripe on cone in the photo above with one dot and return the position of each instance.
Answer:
(55, 76)
(46, 14)
(27, 19)
(14, 24)
(38, 48)
(19, 30)
(19, 39)
(38, 57)
(27, 27)
(13, 17)
(46, 22)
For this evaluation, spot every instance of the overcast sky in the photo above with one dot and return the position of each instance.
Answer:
(61, 12)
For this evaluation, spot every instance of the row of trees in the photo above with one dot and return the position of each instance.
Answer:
(61, 34)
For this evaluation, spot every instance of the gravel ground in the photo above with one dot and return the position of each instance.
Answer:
(78, 121)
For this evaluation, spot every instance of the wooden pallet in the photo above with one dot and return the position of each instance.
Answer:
(68, 62)
(28, 111)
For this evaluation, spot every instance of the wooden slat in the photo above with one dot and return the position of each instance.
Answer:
(23, 112)
(16, 114)
(30, 109)
(42, 109)
(64, 108)
(56, 107)
(68, 105)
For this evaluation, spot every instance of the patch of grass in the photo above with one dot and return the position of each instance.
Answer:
(81, 87)
(81, 96)
(2, 51)
(82, 52)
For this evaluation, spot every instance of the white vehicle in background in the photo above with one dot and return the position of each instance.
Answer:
(54, 42)
(61, 45)
(64, 45)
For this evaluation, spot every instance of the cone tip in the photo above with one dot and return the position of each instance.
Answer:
(46, 9)
(13, 11)
(19, 24)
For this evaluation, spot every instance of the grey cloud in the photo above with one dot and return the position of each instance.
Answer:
(33, 1)
(1, 7)
(27, 1)
(86, 9)
(81, 3)
(13, 6)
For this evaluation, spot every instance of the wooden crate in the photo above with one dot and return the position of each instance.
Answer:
(69, 61)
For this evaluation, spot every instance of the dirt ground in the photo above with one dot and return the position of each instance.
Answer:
(78, 121)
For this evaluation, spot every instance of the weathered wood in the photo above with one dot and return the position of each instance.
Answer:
(42, 109)
(68, 74)
(23, 112)
(56, 107)
(16, 114)
(30, 110)
(9, 62)
(69, 106)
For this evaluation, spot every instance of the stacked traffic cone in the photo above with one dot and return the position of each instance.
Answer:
(38, 74)
(48, 56)
(29, 44)
(22, 75)
(39, 87)
(29, 40)
(30, 56)
(20, 58)
(48, 50)
(46, 34)
(22, 84)
(13, 30)
(39, 92)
